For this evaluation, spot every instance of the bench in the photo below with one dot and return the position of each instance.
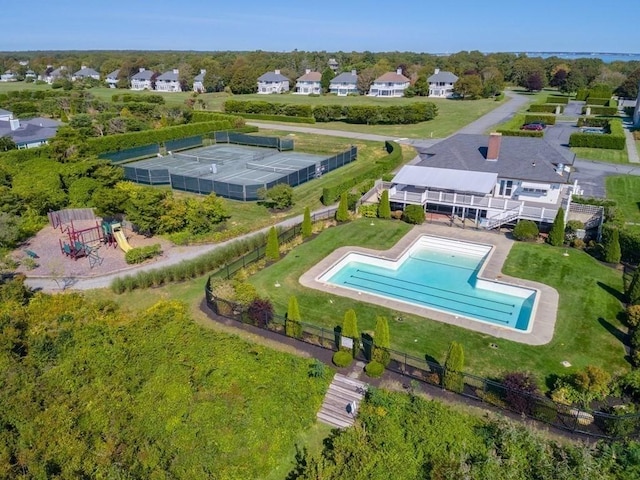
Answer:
(31, 254)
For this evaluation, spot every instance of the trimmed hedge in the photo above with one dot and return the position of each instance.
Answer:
(593, 122)
(548, 119)
(545, 108)
(557, 99)
(386, 164)
(277, 118)
(630, 245)
(614, 140)
(342, 358)
(374, 369)
(23, 155)
(603, 102)
(139, 255)
(520, 133)
(262, 107)
(200, 116)
(596, 110)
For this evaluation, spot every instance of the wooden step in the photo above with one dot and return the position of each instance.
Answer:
(334, 421)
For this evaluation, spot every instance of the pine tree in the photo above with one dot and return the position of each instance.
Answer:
(381, 341)
(556, 235)
(633, 292)
(272, 251)
(384, 207)
(293, 327)
(350, 329)
(612, 253)
(325, 79)
(342, 214)
(453, 365)
(307, 227)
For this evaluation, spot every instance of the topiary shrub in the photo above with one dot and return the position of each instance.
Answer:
(526, 231)
(556, 235)
(611, 246)
(293, 328)
(414, 214)
(374, 369)
(633, 291)
(342, 214)
(342, 358)
(272, 251)
(384, 207)
(307, 227)
(453, 376)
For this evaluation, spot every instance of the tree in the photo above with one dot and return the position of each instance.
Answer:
(9, 230)
(350, 329)
(612, 253)
(384, 207)
(144, 209)
(260, 311)
(272, 251)
(307, 227)
(325, 80)
(591, 384)
(575, 81)
(342, 214)
(453, 376)
(381, 341)
(522, 389)
(7, 143)
(556, 235)
(279, 196)
(534, 82)
(559, 79)
(492, 82)
(468, 86)
(421, 87)
(633, 291)
(293, 327)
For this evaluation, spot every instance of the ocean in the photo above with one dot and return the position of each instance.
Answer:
(605, 57)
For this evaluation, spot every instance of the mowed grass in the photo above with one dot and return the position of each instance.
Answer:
(602, 154)
(625, 190)
(587, 327)
(13, 86)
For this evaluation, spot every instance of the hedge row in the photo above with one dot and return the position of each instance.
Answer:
(630, 245)
(16, 95)
(277, 118)
(598, 101)
(386, 164)
(520, 133)
(548, 119)
(360, 114)
(199, 116)
(593, 122)
(188, 269)
(557, 99)
(544, 107)
(130, 97)
(140, 254)
(614, 140)
(16, 156)
(114, 143)
(596, 110)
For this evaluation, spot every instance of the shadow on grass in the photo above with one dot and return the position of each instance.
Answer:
(613, 330)
(612, 291)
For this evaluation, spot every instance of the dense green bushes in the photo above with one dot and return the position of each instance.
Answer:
(557, 99)
(414, 214)
(614, 140)
(520, 133)
(526, 230)
(596, 110)
(544, 107)
(360, 114)
(277, 118)
(548, 119)
(140, 254)
(342, 358)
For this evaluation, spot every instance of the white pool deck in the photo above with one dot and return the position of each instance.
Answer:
(543, 315)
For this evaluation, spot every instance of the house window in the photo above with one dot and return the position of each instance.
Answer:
(506, 187)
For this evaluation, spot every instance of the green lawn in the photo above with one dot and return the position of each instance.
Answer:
(602, 154)
(587, 294)
(625, 190)
(12, 86)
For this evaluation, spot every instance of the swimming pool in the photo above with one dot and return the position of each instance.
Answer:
(441, 274)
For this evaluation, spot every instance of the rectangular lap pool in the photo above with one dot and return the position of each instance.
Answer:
(440, 274)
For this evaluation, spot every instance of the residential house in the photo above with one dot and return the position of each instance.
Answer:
(441, 84)
(169, 81)
(198, 82)
(143, 80)
(51, 75)
(344, 84)
(273, 82)
(112, 79)
(27, 133)
(491, 180)
(9, 76)
(391, 84)
(30, 74)
(85, 73)
(333, 64)
(309, 83)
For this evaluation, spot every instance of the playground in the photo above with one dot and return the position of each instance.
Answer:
(80, 245)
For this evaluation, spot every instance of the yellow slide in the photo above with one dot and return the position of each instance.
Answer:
(122, 241)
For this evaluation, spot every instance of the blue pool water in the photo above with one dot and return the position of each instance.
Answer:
(444, 280)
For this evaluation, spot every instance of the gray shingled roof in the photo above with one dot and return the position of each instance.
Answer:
(5, 112)
(144, 75)
(169, 76)
(30, 130)
(519, 158)
(86, 72)
(445, 77)
(345, 77)
(272, 77)
(199, 77)
(114, 74)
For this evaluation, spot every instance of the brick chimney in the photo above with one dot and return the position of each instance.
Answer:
(493, 152)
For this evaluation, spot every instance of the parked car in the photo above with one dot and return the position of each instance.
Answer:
(532, 126)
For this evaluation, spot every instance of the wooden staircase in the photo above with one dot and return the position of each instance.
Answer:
(337, 406)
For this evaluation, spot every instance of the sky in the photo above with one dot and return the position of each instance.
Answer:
(322, 25)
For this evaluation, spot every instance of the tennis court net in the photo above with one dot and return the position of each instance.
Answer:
(269, 168)
(197, 158)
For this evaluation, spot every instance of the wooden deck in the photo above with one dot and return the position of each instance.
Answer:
(336, 407)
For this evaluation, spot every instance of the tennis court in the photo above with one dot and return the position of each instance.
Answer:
(233, 171)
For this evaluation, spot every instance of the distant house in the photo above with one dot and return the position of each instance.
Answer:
(391, 84)
(309, 83)
(198, 82)
(30, 74)
(142, 80)
(27, 133)
(273, 82)
(85, 73)
(112, 79)
(8, 76)
(333, 64)
(56, 74)
(344, 84)
(441, 84)
(169, 81)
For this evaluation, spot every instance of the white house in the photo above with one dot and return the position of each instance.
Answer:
(142, 80)
(27, 133)
(491, 180)
(84, 73)
(30, 74)
(169, 81)
(273, 82)
(198, 82)
(112, 78)
(309, 83)
(8, 76)
(53, 75)
(391, 84)
(344, 84)
(333, 64)
(441, 84)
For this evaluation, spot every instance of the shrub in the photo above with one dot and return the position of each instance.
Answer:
(556, 235)
(293, 327)
(521, 390)
(384, 208)
(368, 211)
(526, 230)
(342, 358)
(317, 369)
(307, 227)
(272, 251)
(350, 329)
(453, 377)
(279, 196)
(611, 246)
(374, 369)
(578, 243)
(342, 214)
(633, 291)
(414, 214)
(397, 214)
(140, 254)
(260, 312)
(382, 341)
